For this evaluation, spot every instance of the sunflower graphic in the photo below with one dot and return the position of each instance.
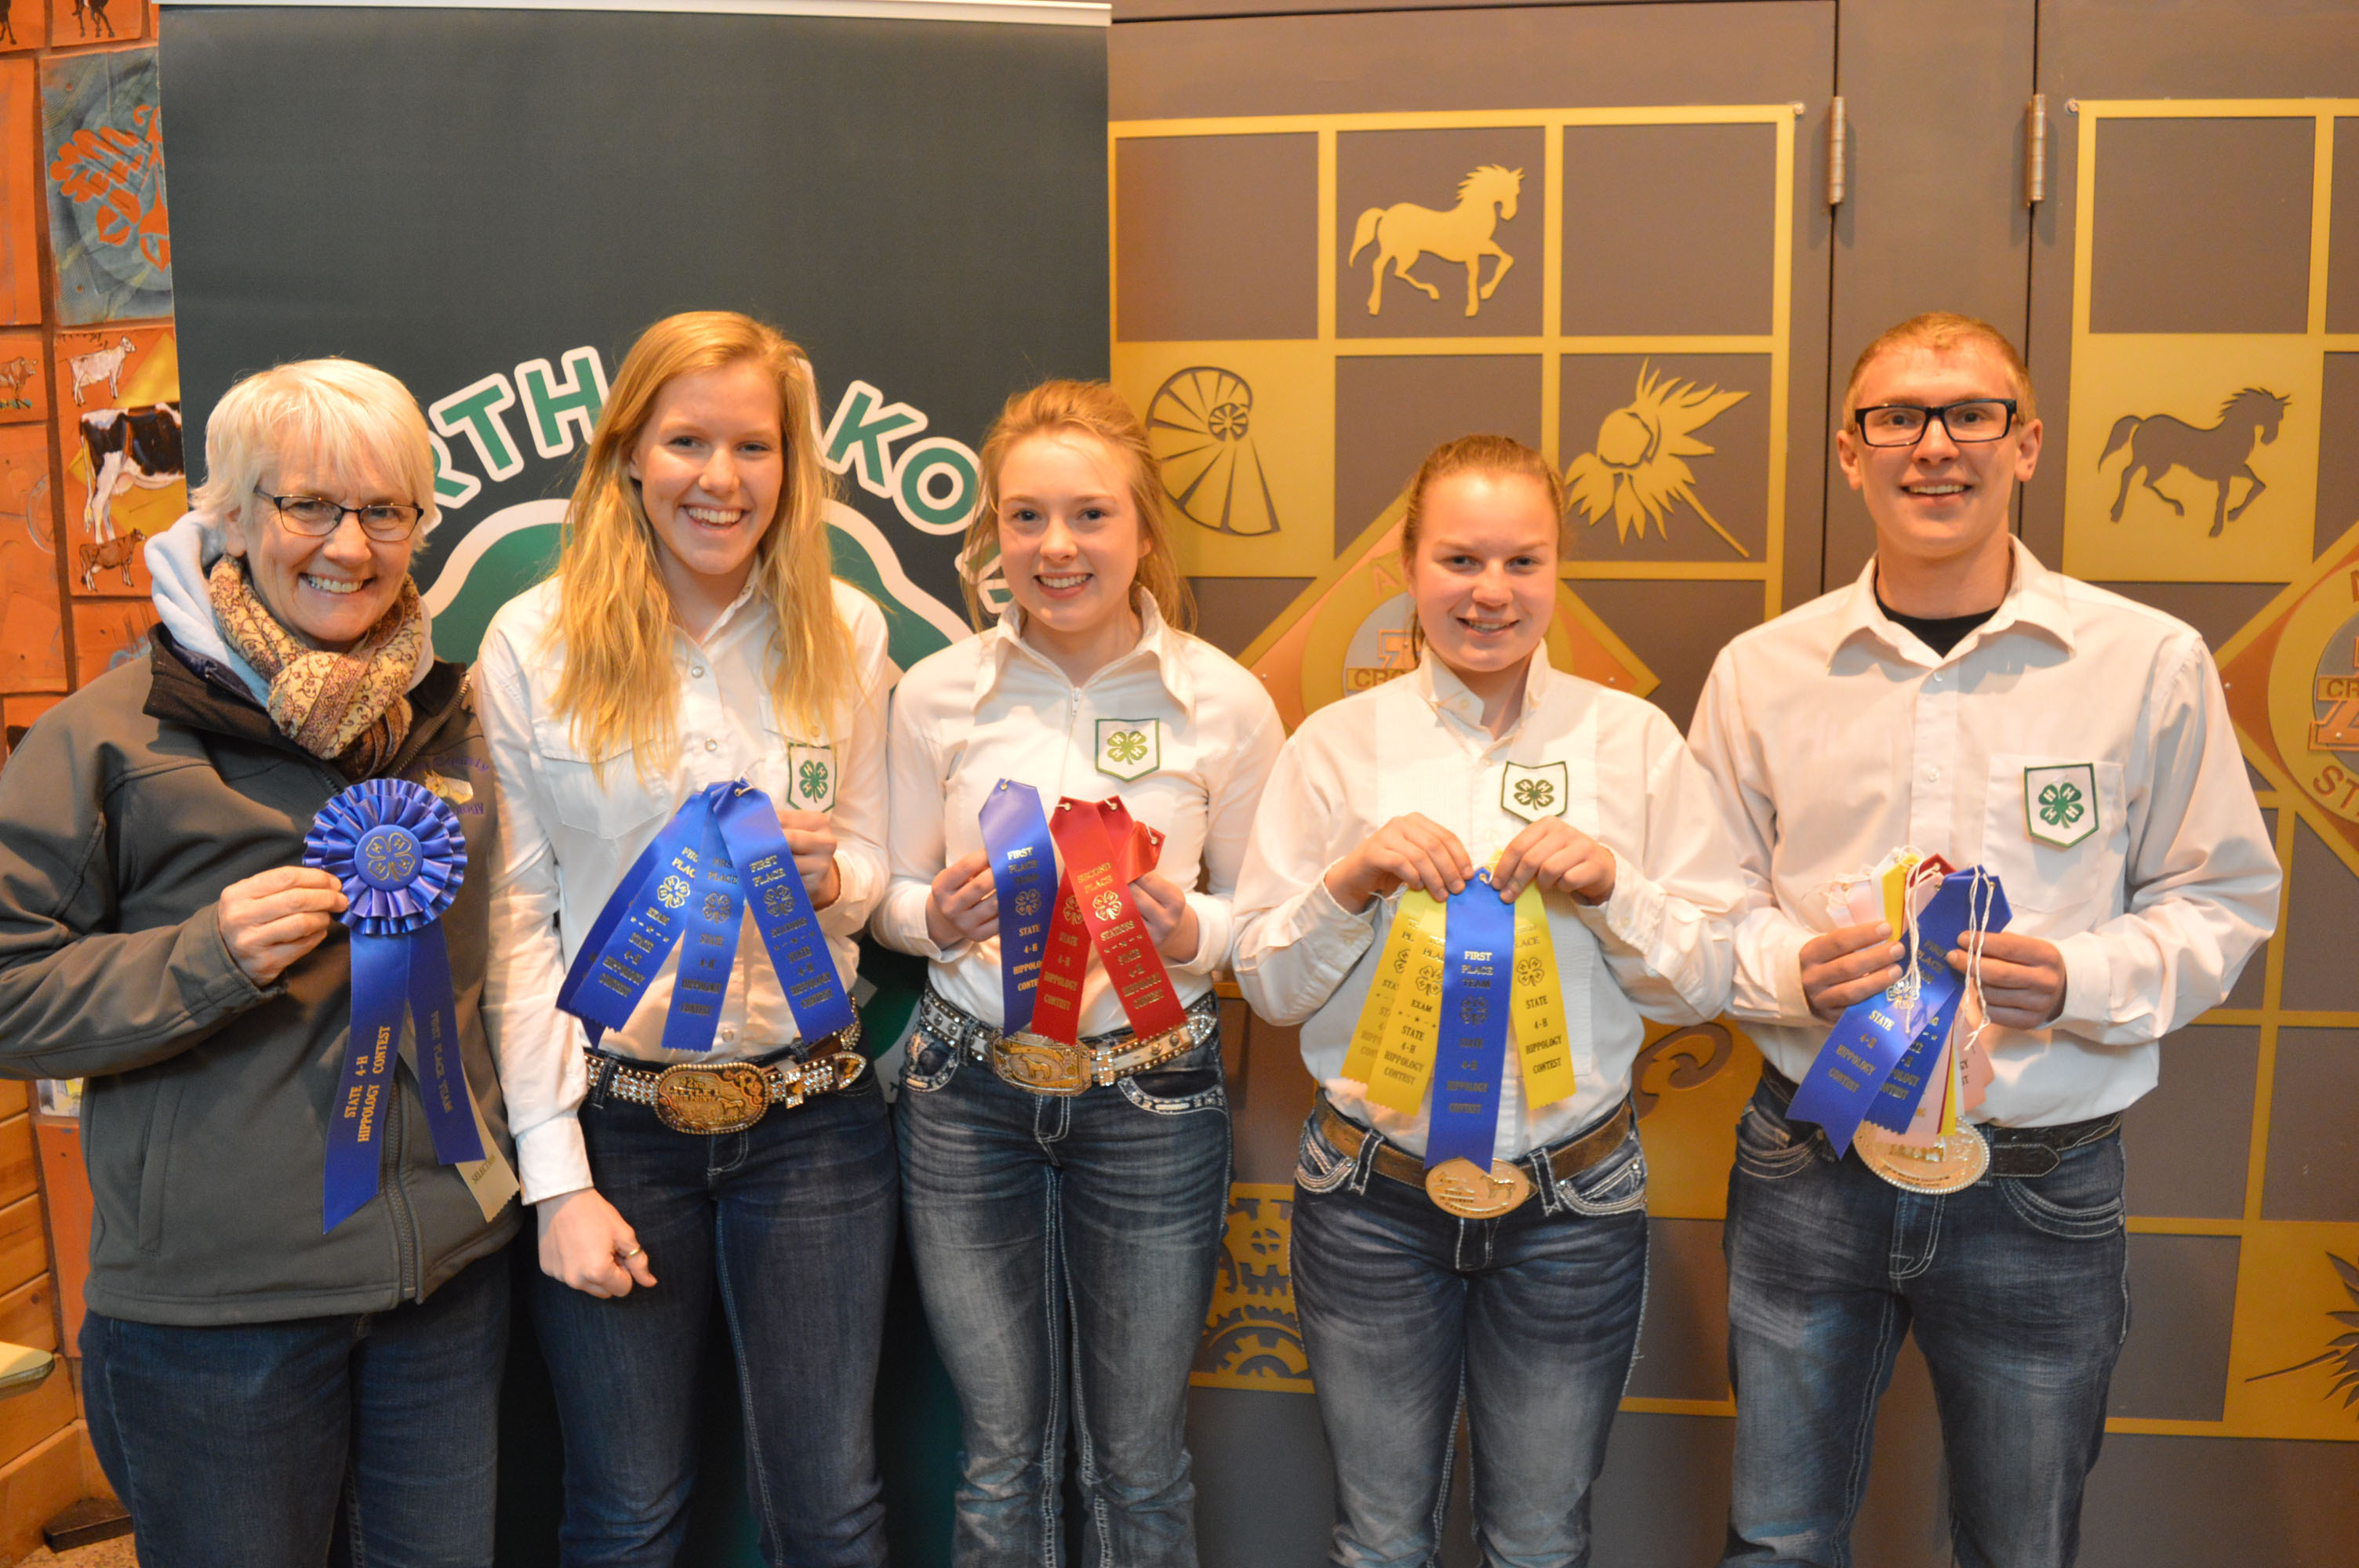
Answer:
(2342, 1353)
(1199, 426)
(1638, 471)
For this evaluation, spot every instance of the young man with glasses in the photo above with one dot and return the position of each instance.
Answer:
(1963, 700)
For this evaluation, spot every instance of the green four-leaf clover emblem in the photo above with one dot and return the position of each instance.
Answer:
(1126, 746)
(2060, 804)
(814, 781)
(1539, 795)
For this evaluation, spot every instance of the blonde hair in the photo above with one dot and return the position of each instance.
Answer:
(1502, 455)
(1941, 333)
(342, 413)
(1088, 408)
(614, 611)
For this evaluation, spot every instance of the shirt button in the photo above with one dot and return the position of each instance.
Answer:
(712, 745)
(728, 1031)
(1932, 775)
(1933, 679)
(698, 671)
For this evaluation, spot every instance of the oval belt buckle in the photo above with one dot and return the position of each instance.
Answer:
(1464, 1189)
(725, 1096)
(1043, 1066)
(1950, 1164)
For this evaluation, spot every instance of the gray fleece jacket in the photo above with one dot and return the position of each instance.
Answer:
(127, 810)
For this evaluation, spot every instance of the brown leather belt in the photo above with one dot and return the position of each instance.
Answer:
(711, 1098)
(1566, 1161)
(2015, 1150)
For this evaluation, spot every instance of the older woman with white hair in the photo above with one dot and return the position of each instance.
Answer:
(297, 1308)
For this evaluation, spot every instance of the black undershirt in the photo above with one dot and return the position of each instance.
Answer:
(1941, 636)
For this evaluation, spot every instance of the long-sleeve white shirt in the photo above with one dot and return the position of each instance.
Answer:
(1656, 948)
(569, 830)
(993, 707)
(1834, 735)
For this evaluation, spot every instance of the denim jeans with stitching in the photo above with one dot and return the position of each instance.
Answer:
(232, 1446)
(1527, 1322)
(789, 1225)
(2018, 1289)
(1065, 1249)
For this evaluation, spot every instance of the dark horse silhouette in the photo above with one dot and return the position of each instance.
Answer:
(2218, 455)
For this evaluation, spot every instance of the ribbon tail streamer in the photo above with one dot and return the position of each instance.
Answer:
(441, 1074)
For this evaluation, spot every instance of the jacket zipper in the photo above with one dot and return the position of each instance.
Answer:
(396, 1194)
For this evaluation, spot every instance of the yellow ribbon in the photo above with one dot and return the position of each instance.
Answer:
(1399, 1034)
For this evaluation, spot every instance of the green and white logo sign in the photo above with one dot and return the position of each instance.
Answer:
(2060, 802)
(1533, 793)
(1129, 749)
(810, 779)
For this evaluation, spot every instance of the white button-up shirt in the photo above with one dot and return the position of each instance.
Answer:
(569, 830)
(993, 707)
(1835, 736)
(1659, 947)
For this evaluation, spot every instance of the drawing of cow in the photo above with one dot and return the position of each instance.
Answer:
(128, 447)
(13, 377)
(119, 551)
(101, 364)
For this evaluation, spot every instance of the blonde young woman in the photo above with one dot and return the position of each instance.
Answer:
(690, 647)
(1508, 1277)
(1067, 1171)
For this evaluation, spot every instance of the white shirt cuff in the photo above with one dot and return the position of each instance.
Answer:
(1631, 914)
(2088, 985)
(1782, 947)
(551, 1160)
(1215, 927)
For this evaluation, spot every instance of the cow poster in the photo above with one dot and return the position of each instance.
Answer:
(103, 144)
(118, 400)
(32, 648)
(24, 390)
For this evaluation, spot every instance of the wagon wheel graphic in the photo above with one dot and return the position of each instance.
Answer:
(1201, 427)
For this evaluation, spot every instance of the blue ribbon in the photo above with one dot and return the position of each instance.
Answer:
(1876, 1064)
(691, 884)
(1477, 963)
(400, 854)
(1024, 869)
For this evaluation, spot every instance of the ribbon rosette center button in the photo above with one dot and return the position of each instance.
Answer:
(389, 857)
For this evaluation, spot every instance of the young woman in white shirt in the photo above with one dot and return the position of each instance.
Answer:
(1517, 1288)
(692, 637)
(1066, 1172)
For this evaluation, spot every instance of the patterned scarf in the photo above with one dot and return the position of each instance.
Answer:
(350, 708)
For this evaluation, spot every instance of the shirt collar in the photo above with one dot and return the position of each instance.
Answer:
(1445, 692)
(1004, 643)
(728, 613)
(2035, 597)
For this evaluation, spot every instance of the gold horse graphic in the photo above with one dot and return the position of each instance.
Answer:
(1405, 231)
(2218, 454)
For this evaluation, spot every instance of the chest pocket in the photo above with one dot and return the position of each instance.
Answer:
(2039, 874)
(612, 802)
(797, 774)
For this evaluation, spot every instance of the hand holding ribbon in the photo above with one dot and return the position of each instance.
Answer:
(1876, 1064)
(400, 856)
(692, 883)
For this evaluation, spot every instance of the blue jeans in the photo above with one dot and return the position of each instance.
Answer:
(1527, 1322)
(789, 1225)
(1060, 1238)
(2019, 1291)
(234, 1445)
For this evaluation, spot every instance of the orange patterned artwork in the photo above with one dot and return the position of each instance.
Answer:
(110, 633)
(119, 399)
(32, 645)
(23, 24)
(23, 389)
(110, 231)
(20, 192)
(75, 22)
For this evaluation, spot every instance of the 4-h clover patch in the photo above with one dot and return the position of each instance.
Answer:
(1533, 793)
(1129, 749)
(2060, 802)
(810, 779)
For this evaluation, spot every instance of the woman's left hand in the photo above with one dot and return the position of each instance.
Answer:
(1170, 921)
(811, 834)
(1560, 858)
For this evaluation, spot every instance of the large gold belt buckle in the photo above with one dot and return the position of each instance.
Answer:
(724, 1096)
(1043, 1066)
(1466, 1190)
(1951, 1165)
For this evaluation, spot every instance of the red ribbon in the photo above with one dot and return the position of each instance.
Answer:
(1104, 852)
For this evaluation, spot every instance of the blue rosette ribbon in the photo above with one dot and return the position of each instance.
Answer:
(400, 854)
